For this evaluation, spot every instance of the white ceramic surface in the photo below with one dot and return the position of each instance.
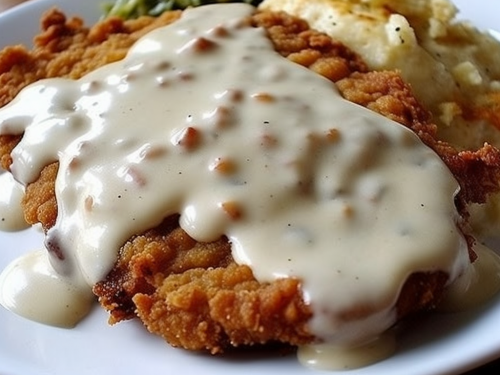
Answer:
(439, 344)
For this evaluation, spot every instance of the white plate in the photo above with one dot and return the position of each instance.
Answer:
(441, 344)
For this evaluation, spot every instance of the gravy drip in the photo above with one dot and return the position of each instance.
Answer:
(205, 119)
(479, 283)
(11, 213)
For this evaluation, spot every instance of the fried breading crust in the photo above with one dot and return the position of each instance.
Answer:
(193, 294)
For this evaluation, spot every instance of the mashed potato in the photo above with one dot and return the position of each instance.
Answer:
(452, 67)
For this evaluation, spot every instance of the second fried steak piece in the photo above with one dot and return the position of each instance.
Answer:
(193, 294)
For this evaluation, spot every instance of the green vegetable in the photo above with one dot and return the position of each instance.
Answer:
(135, 8)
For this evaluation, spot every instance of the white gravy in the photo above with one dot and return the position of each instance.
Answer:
(205, 119)
(345, 357)
(11, 213)
(30, 287)
(479, 283)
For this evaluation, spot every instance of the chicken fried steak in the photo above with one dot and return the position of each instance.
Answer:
(193, 293)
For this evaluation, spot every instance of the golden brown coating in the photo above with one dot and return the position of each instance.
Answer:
(197, 297)
(39, 201)
(193, 294)
(66, 48)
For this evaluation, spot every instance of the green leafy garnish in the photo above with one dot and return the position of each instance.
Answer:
(128, 9)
